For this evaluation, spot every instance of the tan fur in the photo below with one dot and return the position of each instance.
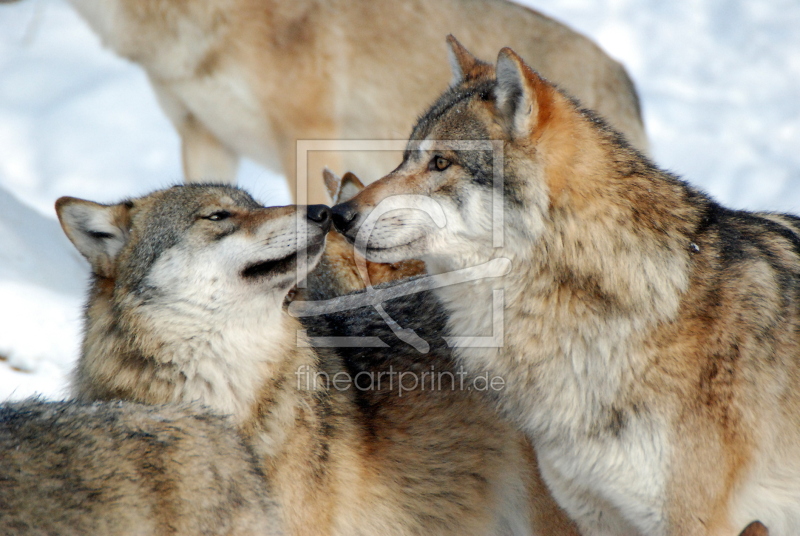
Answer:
(338, 274)
(650, 335)
(250, 77)
(336, 461)
(123, 469)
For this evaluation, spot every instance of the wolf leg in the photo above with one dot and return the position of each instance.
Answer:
(205, 158)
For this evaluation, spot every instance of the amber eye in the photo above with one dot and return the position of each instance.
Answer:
(439, 163)
(218, 216)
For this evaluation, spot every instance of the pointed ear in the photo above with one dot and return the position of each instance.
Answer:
(341, 189)
(464, 65)
(351, 186)
(524, 100)
(98, 231)
(333, 184)
(756, 528)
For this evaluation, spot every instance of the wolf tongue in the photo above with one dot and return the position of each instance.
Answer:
(290, 295)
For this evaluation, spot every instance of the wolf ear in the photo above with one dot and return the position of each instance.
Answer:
(341, 189)
(522, 97)
(98, 231)
(464, 65)
(333, 183)
(756, 528)
(351, 186)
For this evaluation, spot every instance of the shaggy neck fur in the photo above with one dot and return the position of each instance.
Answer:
(589, 281)
(587, 285)
(234, 364)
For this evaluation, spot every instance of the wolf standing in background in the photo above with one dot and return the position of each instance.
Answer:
(651, 336)
(187, 305)
(250, 77)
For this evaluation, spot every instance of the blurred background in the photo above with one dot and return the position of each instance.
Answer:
(719, 82)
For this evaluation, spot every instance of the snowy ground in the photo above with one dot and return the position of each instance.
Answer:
(719, 82)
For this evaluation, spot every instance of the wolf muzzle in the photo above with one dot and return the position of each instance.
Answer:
(344, 216)
(319, 215)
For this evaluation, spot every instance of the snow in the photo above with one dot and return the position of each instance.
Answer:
(718, 80)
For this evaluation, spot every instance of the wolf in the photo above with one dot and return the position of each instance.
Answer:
(121, 468)
(187, 306)
(248, 78)
(649, 335)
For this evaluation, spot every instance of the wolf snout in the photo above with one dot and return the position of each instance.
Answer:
(344, 216)
(320, 215)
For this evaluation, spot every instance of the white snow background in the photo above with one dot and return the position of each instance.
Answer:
(719, 82)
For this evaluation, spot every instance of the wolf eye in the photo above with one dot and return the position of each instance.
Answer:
(218, 216)
(439, 163)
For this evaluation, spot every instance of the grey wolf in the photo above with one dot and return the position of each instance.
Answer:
(187, 305)
(250, 77)
(125, 469)
(650, 334)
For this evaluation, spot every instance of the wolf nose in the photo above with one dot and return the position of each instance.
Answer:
(344, 215)
(320, 215)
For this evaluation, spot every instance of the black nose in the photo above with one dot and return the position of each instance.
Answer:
(320, 215)
(344, 216)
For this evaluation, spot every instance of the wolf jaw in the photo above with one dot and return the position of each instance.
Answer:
(598, 308)
(172, 317)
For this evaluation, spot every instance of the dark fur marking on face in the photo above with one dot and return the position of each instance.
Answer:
(480, 166)
(271, 267)
(452, 193)
(226, 232)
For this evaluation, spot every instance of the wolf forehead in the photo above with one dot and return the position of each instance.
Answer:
(159, 221)
(454, 117)
(188, 199)
(451, 114)
(164, 215)
(178, 205)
